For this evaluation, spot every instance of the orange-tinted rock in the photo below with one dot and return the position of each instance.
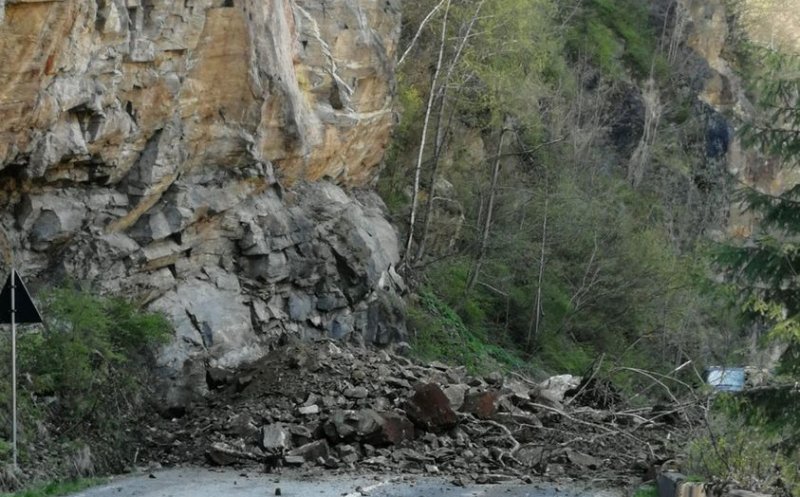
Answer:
(307, 86)
(482, 404)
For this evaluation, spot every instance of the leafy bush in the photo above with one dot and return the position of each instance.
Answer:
(740, 448)
(84, 353)
(86, 368)
(646, 491)
(57, 488)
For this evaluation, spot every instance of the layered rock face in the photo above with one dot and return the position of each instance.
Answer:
(194, 155)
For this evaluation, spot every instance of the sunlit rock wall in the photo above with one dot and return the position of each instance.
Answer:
(204, 157)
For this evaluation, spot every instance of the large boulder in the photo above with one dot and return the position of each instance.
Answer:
(429, 408)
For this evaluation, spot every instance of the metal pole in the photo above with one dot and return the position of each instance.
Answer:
(14, 364)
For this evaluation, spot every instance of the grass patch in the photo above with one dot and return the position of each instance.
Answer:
(646, 491)
(57, 488)
(440, 334)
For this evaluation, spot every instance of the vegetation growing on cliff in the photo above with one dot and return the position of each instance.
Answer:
(564, 183)
(81, 377)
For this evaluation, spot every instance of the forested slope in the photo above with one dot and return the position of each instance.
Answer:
(571, 170)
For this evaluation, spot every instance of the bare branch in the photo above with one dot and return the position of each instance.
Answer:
(419, 31)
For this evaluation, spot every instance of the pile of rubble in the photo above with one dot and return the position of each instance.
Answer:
(331, 406)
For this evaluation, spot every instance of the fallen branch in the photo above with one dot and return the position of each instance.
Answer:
(587, 423)
(510, 453)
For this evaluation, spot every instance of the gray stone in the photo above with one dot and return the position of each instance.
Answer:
(299, 306)
(222, 454)
(668, 484)
(274, 438)
(347, 453)
(209, 322)
(308, 410)
(312, 451)
(341, 425)
(429, 408)
(395, 382)
(293, 460)
(455, 394)
(133, 132)
(583, 460)
(225, 454)
(555, 388)
(341, 326)
(359, 392)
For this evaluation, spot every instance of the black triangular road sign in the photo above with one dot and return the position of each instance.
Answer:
(26, 311)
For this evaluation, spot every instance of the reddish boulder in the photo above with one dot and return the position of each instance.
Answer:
(395, 429)
(482, 404)
(429, 408)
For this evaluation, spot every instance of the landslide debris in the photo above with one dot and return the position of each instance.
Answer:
(333, 406)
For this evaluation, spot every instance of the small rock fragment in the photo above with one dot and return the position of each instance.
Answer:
(359, 392)
(308, 410)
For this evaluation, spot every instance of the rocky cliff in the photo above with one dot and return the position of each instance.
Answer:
(708, 25)
(204, 157)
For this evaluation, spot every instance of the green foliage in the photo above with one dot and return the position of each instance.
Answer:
(760, 430)
(616, 34)
(774, 83)
(558, 353)
(517, 59)
(440, 333)
(646, 491)
(410, 108)
(89, 361)
(84, 352)
(738, 448)
(763, 267)
(58, 488)
(622, 271)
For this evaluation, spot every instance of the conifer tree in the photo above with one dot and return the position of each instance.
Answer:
(766, 266)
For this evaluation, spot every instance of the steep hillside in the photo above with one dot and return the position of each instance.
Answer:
(560, 176)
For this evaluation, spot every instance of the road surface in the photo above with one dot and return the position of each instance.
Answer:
(229, 483)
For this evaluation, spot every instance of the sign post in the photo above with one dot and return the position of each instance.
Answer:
(13, 364)
(16, 306)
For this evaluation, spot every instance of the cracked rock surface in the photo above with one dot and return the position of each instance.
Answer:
(206, 158)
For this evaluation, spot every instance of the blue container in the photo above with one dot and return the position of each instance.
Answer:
(725, 379)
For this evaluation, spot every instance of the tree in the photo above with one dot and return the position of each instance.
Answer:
(765, 266)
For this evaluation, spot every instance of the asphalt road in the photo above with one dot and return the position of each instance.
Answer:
(208, 483)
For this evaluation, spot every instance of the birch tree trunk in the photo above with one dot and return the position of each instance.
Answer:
(536, 314)
(440, 131)
(418, 170)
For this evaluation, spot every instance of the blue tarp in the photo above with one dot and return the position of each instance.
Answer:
(726, 379)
